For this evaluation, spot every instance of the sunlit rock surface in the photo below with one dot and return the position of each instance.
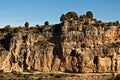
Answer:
(71, 47)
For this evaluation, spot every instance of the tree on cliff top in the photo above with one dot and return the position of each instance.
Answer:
(89, 14)
(7, 28)
(63, 17)
(26, 24)
(117, 23)
(46, 23)
(72, 15)
(68, 16)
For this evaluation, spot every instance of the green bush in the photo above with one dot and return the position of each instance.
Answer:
(71, 15)
(46, 23)
(89, 14)
(26, 24)
(63, 17)
(18, 29)
(117, 23)
(37, 25)
(7, 28)
(103, 24)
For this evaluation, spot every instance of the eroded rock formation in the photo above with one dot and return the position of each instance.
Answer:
(71, 46)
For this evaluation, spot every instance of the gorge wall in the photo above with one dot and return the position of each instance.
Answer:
(71, 46)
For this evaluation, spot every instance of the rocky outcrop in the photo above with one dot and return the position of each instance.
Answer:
(71, 46)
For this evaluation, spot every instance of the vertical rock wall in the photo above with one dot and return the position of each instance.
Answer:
(68, 47)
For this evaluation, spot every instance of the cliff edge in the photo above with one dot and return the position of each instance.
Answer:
(74, 46)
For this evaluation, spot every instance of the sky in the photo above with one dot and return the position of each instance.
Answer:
(17, 12)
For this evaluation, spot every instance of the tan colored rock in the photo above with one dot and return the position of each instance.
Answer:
(7, 64)
(71, 46)
(16, 67)
(104, 64)
(117, 66)
(56, 64)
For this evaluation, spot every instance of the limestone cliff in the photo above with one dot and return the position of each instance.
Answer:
(71, 46)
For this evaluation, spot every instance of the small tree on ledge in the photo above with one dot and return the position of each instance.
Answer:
(72, 15)
(26, 24)
(63, 17)
(46, 23)
(89, 14)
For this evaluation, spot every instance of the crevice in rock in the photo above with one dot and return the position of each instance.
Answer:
(73, 53)
(95, 61)
(24, 62)
(5, 42)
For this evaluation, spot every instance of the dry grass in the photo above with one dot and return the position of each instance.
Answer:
(56, 76)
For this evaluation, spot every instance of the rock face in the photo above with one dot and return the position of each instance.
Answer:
(71, 46)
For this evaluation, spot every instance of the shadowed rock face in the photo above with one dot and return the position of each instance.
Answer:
(68, 47)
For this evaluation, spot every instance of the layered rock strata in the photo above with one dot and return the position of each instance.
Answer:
(71, 46)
